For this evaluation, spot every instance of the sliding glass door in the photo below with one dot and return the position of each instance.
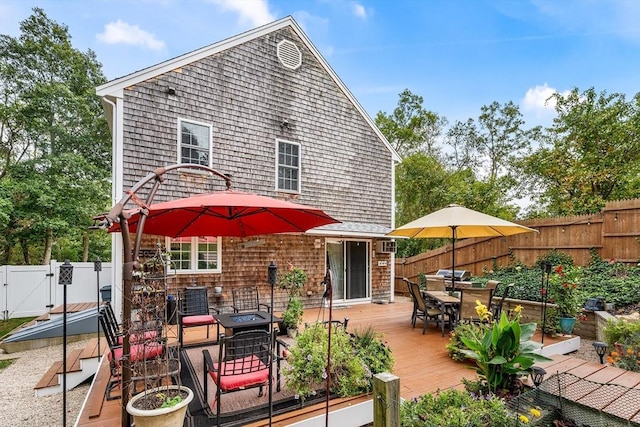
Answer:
(349, 261)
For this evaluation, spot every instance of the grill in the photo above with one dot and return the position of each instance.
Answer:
(461, 275)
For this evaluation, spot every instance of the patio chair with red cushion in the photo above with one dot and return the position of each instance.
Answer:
(140, 349)
(195, 311)
(243, 363)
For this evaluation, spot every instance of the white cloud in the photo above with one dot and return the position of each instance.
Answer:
(120, 32)
(359, 10)
(539, 104)
(255, 12)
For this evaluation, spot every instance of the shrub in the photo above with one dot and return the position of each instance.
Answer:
(454, 407)
(623, 338)
(354, 360)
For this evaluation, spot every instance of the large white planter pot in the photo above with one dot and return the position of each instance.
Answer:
(163, 417)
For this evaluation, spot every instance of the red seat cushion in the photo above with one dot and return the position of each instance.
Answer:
(139, 351)
(134, 338)
(239, 373)
(202, 319)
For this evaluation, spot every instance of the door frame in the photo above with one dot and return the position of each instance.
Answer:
(368, 274)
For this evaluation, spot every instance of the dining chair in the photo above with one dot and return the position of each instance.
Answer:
(247, 299)
(422, 309)
(195, 311)
(497, 308)
(469, 298)
(435, 283)
(243, 362)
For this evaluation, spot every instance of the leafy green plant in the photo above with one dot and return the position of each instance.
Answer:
(293, 280)
(474, 331)
(621, 331)
(504, 353)
(292, 315)
(352, 368)
(454, 408)
(623, 338)
(370, 347)
(564, 290)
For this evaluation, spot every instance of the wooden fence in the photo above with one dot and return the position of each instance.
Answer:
(613, 233)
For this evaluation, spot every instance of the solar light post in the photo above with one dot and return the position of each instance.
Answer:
(272, 278)
(537, 375)
(97, 267)
(601, 349)
(64, 278)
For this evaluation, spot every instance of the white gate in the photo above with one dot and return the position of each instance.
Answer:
(31, 290)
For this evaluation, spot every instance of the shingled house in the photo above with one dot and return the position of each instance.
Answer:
(241, 106)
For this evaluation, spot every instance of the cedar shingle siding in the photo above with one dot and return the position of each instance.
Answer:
(245, 93)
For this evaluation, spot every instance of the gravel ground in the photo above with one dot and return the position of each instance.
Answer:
(20, 407)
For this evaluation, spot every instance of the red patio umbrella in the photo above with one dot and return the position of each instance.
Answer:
(227, 213)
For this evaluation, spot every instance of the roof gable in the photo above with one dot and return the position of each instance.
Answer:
(116, 87)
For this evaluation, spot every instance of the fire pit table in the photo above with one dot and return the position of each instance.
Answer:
(238, 322)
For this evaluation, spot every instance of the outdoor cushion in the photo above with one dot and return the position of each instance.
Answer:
(138, 351)
(240, 373)
(135, 338)
(202, 319)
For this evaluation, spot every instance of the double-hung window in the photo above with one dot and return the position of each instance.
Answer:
(287, 166)
(195, 254)
(194, 142)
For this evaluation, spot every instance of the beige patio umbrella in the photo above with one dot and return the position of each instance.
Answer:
(457, 222)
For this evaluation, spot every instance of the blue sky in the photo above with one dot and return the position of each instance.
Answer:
(457, 54)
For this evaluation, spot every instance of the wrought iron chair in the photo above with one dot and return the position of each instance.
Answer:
(112, 324)
(247, 299)
(243, 362)
(140, 349)
(195, 311)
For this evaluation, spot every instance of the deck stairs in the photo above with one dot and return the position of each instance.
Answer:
(81, 365)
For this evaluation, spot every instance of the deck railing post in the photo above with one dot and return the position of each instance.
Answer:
(386, 400)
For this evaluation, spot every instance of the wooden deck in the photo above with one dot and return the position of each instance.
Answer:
(421, 361)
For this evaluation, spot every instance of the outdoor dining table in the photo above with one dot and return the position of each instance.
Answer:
(445, 301)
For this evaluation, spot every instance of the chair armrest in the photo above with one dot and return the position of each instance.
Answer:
(281, 347)
(235, 309)
(266, 306)
(214, 310)
(208, 362)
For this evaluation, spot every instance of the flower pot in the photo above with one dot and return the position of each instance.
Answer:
(567, 324)
(161, 417)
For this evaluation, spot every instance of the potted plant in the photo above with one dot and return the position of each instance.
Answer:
(565, 294)
(292, 282)
(160, 402)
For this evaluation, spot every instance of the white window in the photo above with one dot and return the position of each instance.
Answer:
(287, 166)
(195, 254)
(194, 143)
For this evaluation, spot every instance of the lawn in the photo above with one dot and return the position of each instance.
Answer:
(7, 326)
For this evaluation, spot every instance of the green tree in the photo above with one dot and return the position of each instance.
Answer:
(55, 153)
(411, 128)
(589, 156)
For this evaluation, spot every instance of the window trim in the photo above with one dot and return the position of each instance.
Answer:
(194, 257)
(277, 166)
(179, 139)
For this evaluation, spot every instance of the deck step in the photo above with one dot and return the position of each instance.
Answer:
(81, 364)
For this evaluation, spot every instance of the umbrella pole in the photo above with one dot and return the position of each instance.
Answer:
(453, 259)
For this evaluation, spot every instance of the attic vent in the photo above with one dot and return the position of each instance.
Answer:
(289, 54)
